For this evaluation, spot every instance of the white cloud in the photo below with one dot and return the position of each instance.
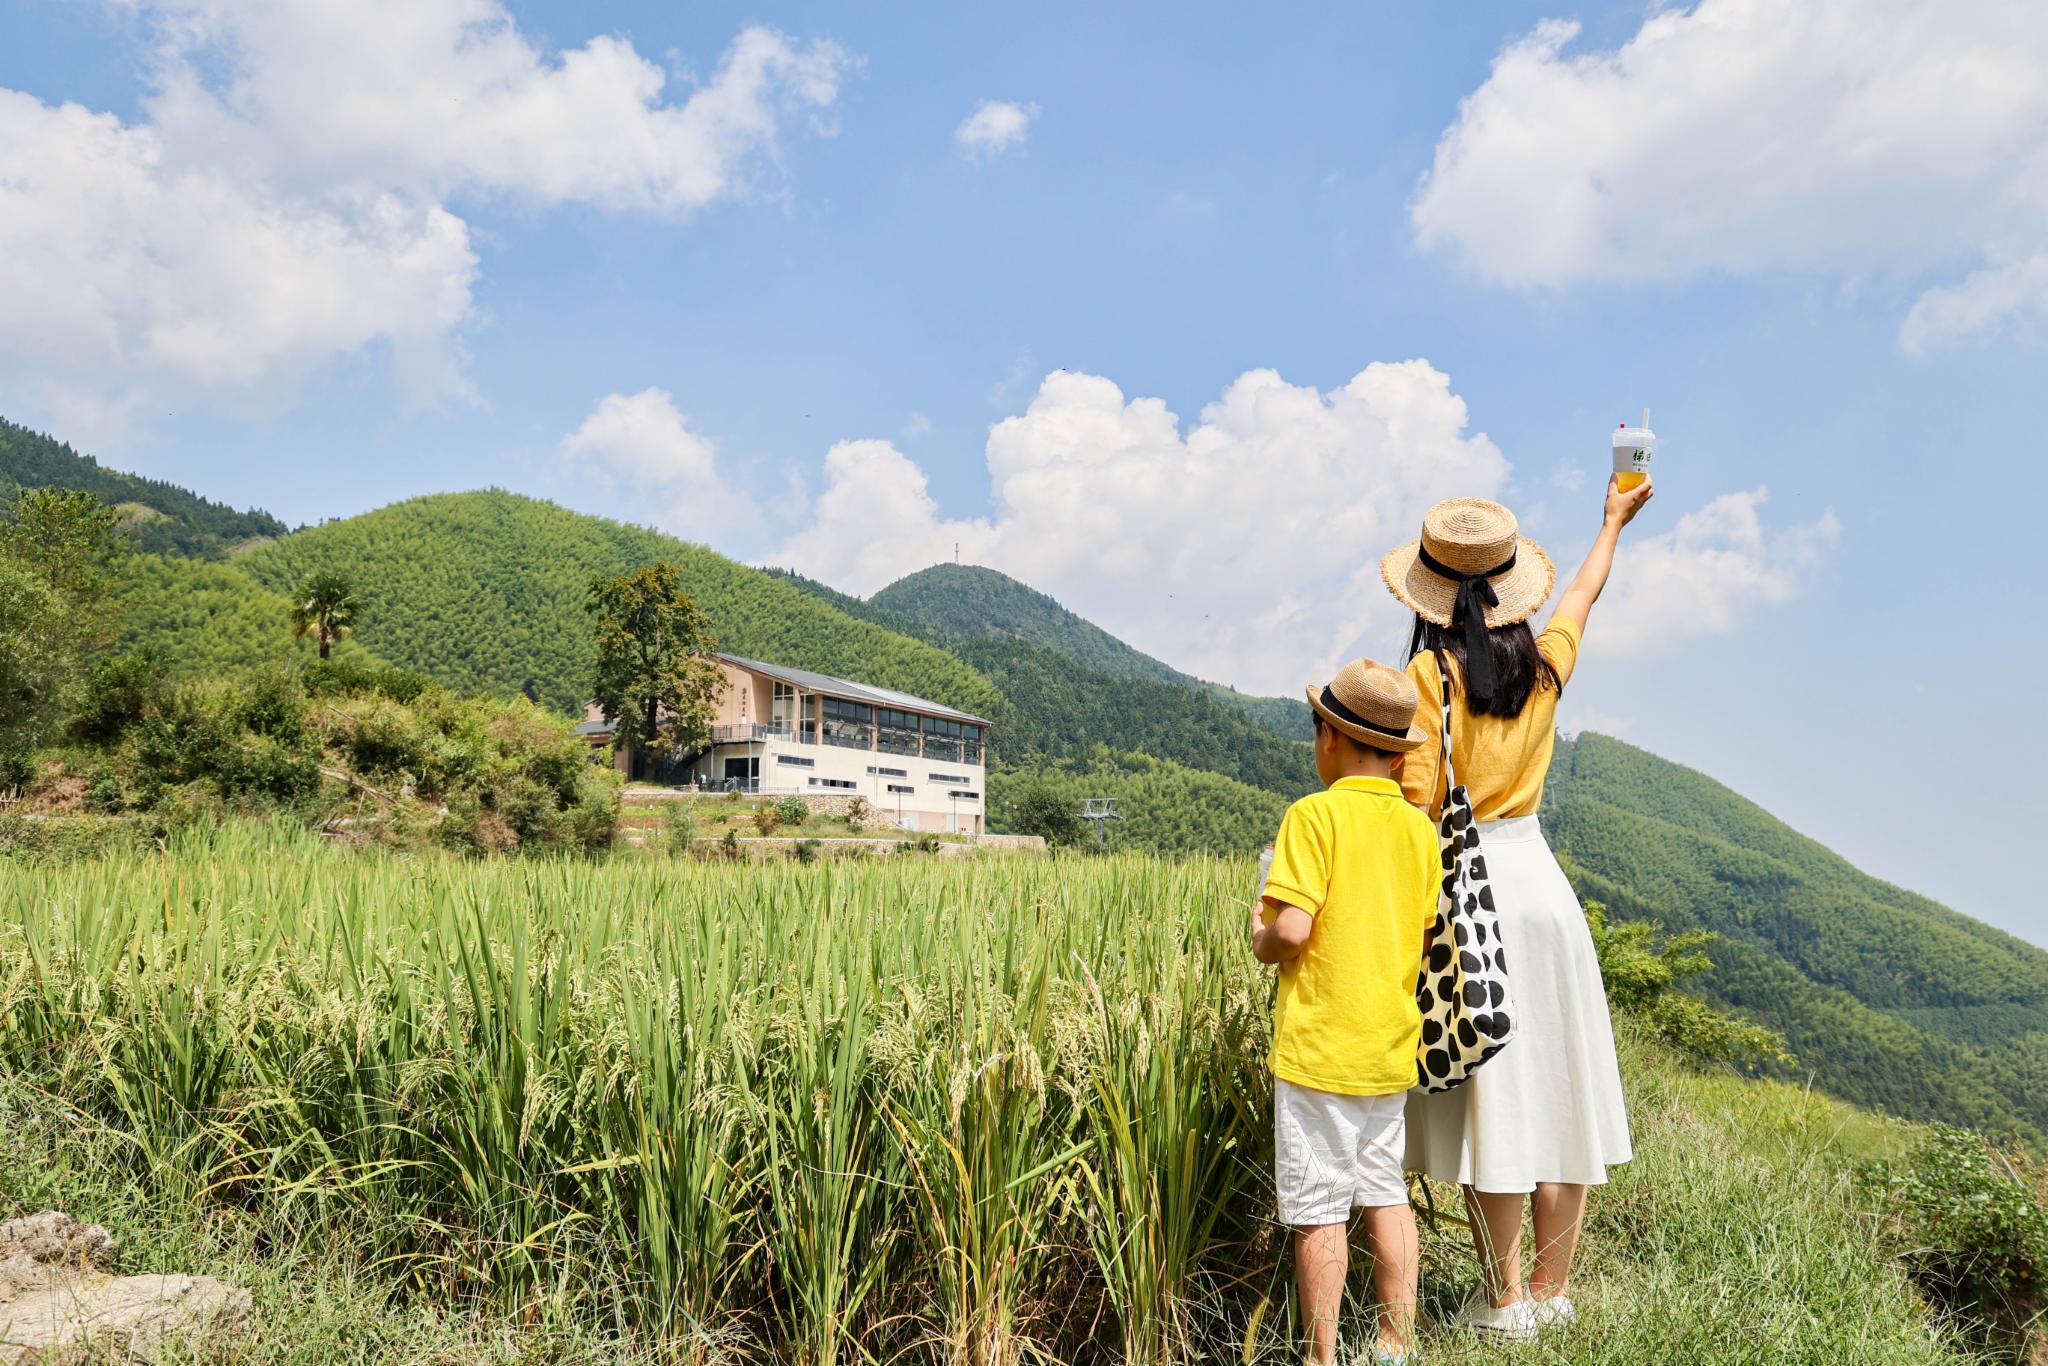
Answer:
(1575, 719)
(440, 97)
(916, 425)
(1245, 547)
(1706, 576)
(1847, 136)
(643, 442)
(131, 277)
(993, 128)
(285, 199)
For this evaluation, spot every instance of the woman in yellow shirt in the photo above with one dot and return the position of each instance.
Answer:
(1544, 1117)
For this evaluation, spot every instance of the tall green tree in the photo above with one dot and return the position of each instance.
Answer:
(655, 677)
(60, 553)
(325, 608)
(73, 543)
(34, 667)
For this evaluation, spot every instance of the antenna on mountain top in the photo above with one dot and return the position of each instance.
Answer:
(956, 552)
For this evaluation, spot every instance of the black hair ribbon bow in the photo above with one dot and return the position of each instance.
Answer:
(1475, 595)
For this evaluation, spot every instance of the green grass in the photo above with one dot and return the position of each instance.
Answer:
(920, 1111)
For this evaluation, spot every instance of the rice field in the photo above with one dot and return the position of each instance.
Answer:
(949, 1111)
(974, 1109)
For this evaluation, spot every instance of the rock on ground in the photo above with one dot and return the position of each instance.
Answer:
(59, 1300)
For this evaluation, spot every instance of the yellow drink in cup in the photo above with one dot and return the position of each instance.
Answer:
(1633, 447)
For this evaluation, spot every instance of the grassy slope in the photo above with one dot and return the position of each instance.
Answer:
(166, 517)
(985, 604)
(1887, 997)
(484, 591)
(1736, 1237)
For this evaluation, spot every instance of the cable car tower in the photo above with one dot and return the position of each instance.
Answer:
(1097, 810)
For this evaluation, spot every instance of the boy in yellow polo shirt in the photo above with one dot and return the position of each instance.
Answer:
(1344, 911)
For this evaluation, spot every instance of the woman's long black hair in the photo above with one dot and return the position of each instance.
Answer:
(1519, 668)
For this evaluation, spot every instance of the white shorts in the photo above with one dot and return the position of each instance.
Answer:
(1332, 1152)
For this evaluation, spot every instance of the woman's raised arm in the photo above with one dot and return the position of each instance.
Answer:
(1584, 589)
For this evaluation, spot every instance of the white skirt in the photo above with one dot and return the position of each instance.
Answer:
(1548, 1106)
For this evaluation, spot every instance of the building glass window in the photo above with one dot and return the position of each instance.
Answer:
(963, 794)
(947, 777)
(782, 713)
(833, 782)
(941, 738)
(897, 733)
(970, 744)
(794, 762)
(889, 772)
(901, 787)
(851, 724)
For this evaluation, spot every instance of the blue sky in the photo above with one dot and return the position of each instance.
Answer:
(745, 274)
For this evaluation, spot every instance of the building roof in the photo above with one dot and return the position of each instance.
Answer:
(595, 726)
(847, 688)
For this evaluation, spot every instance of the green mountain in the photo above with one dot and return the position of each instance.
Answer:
(975, 603)
(1886, 998)
(1058, 709)
(161, 517)
(1162, 807)
(484, 592)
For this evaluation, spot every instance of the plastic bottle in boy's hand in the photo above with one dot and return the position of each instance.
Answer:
(1633, 447)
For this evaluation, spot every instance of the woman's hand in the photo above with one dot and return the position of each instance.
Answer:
(1585, 588)
(1623, 507)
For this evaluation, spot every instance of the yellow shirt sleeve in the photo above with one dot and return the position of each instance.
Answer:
(1422, 767)
(1559, 644)
(1300, 875)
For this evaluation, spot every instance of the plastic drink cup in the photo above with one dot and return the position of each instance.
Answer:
(1633, 447)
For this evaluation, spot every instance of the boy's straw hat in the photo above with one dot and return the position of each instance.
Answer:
(1470, 541)
(1371, 703)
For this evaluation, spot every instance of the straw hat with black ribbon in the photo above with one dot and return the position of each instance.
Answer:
(1371, 703)
(1471, 570)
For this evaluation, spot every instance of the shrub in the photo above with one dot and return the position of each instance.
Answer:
(766, 819)
(354, 678)
(272, 703)
(793, 810)
(858, 814)
(1640, 974)
(1978, 1232)
(1041, 810)
(807, 851)
(119, 691)
(730, 845)
(678, 829)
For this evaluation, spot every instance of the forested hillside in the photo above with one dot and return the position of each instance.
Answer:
(209, 620)
(485, 592)
(976, 603)
(1886, 997)
(1056, 708)
(161, 517)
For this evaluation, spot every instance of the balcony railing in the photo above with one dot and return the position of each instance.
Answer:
(735, 735)
(889, 740)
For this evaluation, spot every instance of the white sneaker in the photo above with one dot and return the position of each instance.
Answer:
(1516, 1321)
(1555, 1312)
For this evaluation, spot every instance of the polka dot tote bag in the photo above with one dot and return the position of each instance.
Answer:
(1468, 1014)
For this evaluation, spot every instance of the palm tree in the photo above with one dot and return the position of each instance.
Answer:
(324, 608)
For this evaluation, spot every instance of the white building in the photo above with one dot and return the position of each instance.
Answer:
(780, 730)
